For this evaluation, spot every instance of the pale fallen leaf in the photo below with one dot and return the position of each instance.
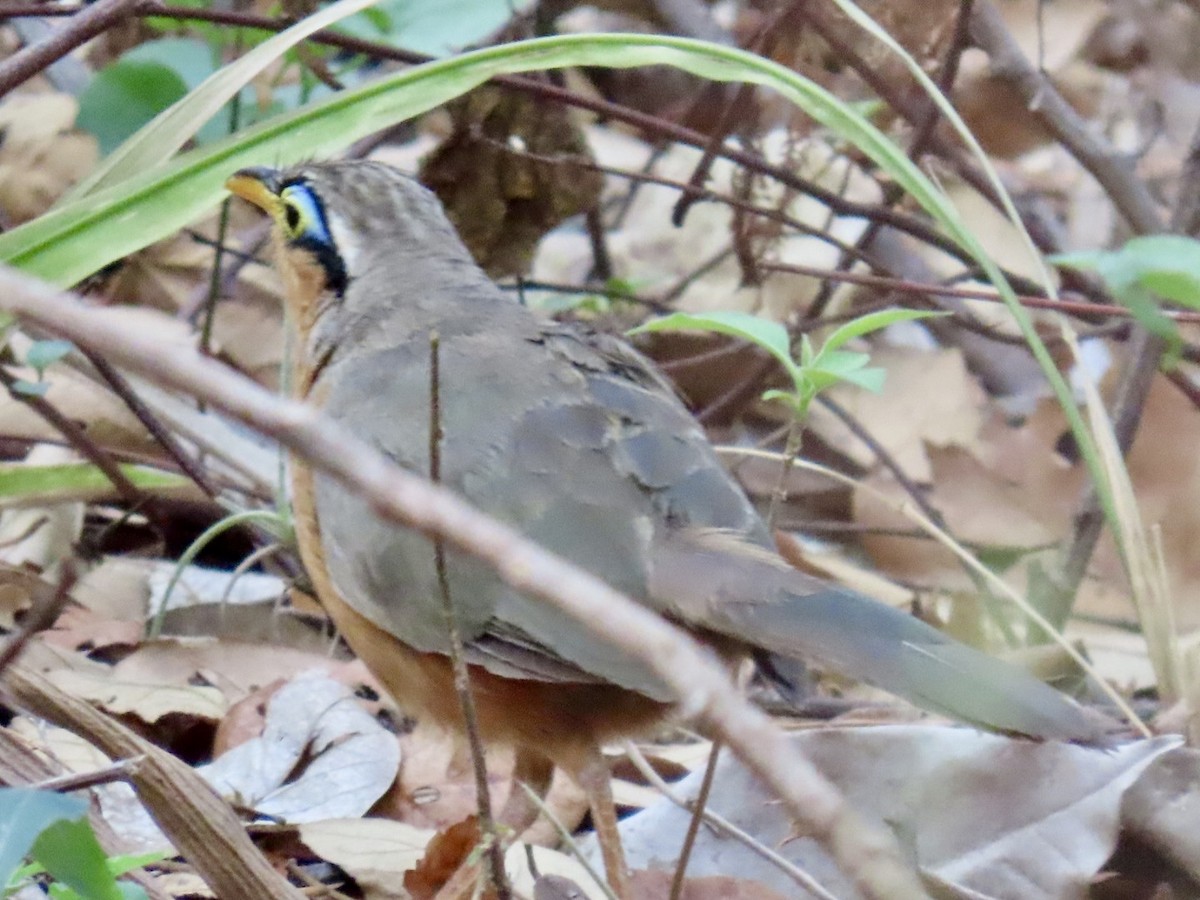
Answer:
(374, 852)
(103, 416)
(648, 884)
(41, 155)
(349, 758)
(1003, 818)
(116, 588)
(147, 700)
(250, 335)
(41, 537)
(377, 852)
(1163, 806)
(78, 628)
(199, 585)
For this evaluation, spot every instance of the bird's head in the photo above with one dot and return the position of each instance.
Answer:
(338, 223)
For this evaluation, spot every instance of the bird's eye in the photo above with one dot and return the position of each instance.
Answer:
(302, 214)
(292, 216)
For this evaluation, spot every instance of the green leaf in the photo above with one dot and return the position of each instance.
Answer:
(70, 852)
(770, 336)
(24, 814)
(43, 354)
(124, 96)
(127, 862)
(1143, 271)
(842, 365)
(1166, 264)
(160, 139)
(874, 322)
(25, 485)
(871, 379)
(797, 404)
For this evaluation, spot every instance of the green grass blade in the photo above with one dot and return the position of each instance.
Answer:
(75, 240)
(159, 140)
(22, 485)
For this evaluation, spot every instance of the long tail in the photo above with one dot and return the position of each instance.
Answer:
(713, 580)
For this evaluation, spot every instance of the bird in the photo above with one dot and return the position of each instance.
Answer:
(574, 438)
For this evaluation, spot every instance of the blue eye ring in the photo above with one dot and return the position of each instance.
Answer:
(303, 217)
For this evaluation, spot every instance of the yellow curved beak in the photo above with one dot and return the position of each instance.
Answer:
(258, 185)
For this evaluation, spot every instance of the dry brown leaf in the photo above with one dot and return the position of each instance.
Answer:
(444, 854)
(234, 668)
(41, 156)
(245, 720)
(148, 700)
(101, 414)
(17, 586)
(928, 398)
(250, 335)
(652, 254)
(78, 628)
(1165, 471)
(169, 276)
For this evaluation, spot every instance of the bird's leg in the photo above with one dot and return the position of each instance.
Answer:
(519, 812)
(591, 773)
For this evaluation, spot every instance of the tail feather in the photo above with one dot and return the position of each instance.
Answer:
(721, 584)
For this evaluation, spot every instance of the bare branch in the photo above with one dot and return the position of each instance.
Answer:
(84, 26)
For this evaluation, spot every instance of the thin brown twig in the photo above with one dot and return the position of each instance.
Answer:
(85, 24)
(885, 458)
(1185, 218)
(869, 856)
(698, 811)
(1082, 308)
(736, 107)
(462, 676)
(47, 607)
(1111, 169)
(79, 439)
(117, 771)
(698, 193)
(124, 390)
(910, 108)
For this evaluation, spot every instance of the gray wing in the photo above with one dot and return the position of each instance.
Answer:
(569, 437)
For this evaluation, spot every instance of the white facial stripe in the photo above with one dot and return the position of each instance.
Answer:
(343, 239)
